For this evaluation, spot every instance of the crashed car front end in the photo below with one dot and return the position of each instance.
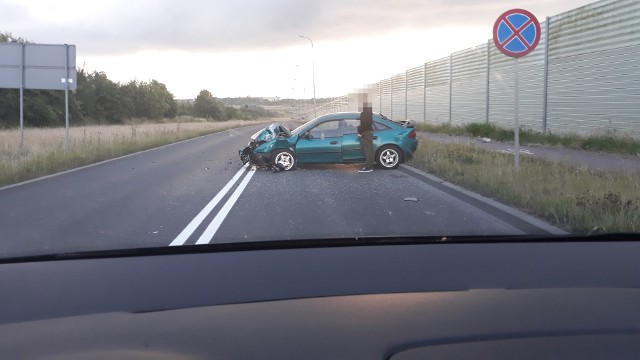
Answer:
(259, 150)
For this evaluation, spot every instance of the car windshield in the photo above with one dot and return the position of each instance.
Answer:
(298, 129)
(129, 124)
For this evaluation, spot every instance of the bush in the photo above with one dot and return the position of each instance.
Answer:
(605, 143)
(480, 129)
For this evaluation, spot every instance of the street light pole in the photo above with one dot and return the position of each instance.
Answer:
(313, 64)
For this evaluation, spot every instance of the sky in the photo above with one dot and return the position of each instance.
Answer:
(237, 48)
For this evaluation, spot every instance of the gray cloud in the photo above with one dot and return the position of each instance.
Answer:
(199, 25)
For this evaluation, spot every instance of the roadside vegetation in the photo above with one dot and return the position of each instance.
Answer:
(108, 119)
(610, 143)
(44, 152)
(101, 101)
(578, 200)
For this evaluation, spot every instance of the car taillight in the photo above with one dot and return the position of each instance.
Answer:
(412, 135)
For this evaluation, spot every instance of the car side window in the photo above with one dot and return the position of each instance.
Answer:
(326, 129)
(350, 126)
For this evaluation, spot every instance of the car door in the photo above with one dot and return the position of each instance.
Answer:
(351, 146)
(321, 144)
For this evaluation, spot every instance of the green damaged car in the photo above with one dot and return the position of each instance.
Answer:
(330, 139)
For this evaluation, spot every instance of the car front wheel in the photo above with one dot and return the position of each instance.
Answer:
(283, 159)
(388, 157)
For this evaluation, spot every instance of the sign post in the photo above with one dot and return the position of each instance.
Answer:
(516, 33)
(66, 98)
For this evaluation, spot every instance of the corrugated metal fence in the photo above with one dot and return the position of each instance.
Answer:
(584, 77)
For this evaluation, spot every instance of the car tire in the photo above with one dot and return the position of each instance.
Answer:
(389, 157)
(283, 159)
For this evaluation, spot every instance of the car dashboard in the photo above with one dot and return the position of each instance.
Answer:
(348, 299)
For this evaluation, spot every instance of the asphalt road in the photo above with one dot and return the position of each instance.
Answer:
(197, 192)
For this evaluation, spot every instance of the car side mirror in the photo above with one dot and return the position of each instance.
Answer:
(307, 136)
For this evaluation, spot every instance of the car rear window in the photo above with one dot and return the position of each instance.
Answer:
(380, 127)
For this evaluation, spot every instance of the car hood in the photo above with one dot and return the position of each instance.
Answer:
(271, 132)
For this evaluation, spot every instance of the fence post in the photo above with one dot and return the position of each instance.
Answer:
(406, 95)
(424, 95)
(379, 97)
(450, 87)
(391, 97)
(488, 80)
(546, 78)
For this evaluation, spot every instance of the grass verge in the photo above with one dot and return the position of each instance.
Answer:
(604, 143)
(44, 153)
(579, 200)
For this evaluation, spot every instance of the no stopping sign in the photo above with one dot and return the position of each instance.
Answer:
(516, 32)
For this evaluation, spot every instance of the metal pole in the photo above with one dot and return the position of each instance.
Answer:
(517, 115)
(313, 74)
(424, 95)
(450, 87)
(66, 98)
(391, 97)
(21, 118)
(22, 97)
(488, 80)
(546, 78)
(380, 96)
(406, 95)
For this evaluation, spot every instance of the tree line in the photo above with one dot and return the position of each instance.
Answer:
(99, 100)
(205, 105)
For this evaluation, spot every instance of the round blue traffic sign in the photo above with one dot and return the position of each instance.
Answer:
(516, 32)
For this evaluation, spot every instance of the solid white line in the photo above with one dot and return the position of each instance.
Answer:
(211, 230)
(184, 235)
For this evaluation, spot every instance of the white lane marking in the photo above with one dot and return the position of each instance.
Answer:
(184, 235)
(211, 230)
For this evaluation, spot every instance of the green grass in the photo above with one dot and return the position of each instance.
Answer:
(583, 201)
(604, 143)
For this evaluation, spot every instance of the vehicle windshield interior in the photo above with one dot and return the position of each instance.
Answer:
(486, 120)
(250, 146)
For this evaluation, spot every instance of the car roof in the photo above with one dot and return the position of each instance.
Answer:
(348, 115)
(345, 115)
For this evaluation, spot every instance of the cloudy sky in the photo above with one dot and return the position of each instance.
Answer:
(252, 48)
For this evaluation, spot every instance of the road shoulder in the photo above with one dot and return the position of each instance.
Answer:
(525, 222)
(580, 158)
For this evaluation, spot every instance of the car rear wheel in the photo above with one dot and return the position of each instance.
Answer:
(283, 159)
(389, 157)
